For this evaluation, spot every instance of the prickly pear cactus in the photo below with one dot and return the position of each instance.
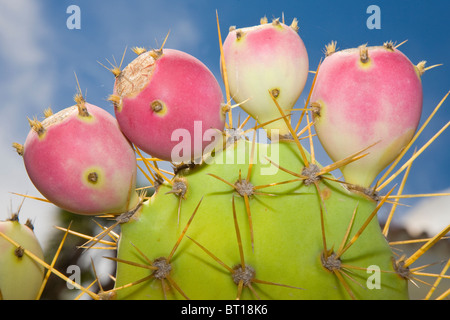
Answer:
(259, 227)
(246, 213)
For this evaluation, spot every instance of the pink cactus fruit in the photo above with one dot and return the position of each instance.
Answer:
(264, 60)
(365, 96)
(20, 276)
(79, 160)
(169, 104)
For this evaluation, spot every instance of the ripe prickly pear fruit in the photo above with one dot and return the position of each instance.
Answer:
(164, 96)
(20, 276)
(282, 250)
(264, 60)
(79, 160)
(364, 96)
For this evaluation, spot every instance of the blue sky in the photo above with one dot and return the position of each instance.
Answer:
(39, 55)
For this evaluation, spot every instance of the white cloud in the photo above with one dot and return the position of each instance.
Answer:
(26, 85)
(20, 31)
(24, 55)
(429, 216)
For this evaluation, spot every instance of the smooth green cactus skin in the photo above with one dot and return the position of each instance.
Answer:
(287, 244)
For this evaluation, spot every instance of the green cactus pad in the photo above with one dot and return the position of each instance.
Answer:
(284, 258)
